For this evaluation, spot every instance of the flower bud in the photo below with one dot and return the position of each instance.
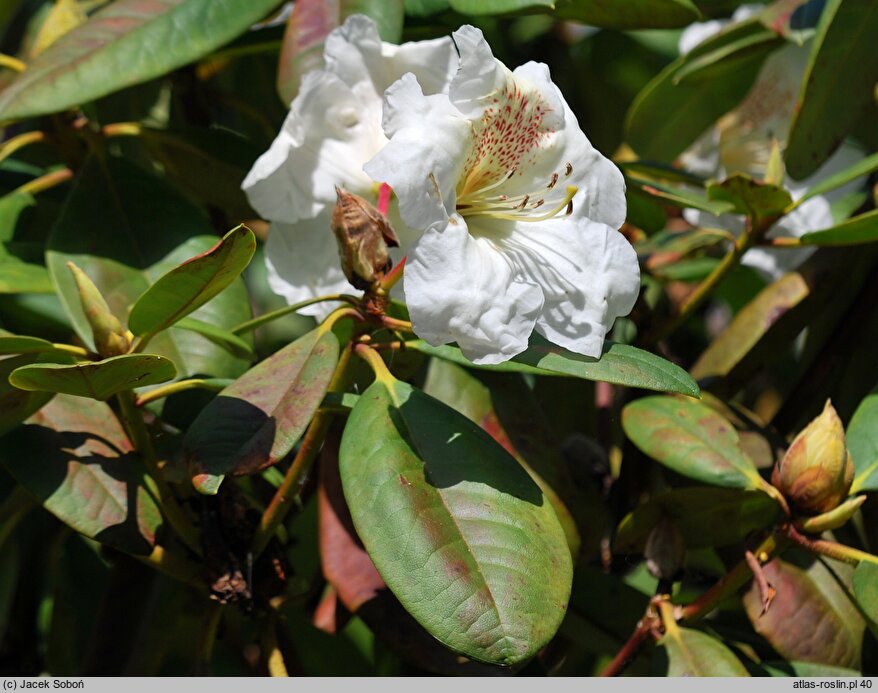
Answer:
(363, 236)
(665, 550)
(816, 473)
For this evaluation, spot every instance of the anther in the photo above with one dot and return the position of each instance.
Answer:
(538, 203)
(569, 169)
(523, 203)
(553, 181)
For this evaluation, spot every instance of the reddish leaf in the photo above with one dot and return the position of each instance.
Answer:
(811, 618)
(358, 586)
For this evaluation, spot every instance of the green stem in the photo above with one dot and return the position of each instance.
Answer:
(207, 638)
(288, 491)
(251, 325)
(155, 482)
(13, 510)
(752, 234)
(13, 144)
(71, 349)
(181, 386)
(12, 63)
(47, 181)
(840, 552)
(173, 566)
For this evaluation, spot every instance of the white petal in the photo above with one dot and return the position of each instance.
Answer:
(698, 32)
(302, 261)
(480, 74)
(433, 62)
(356, 53)
(601, 195)
(325, 138)
(423, 160)
(461, 289)
(588, 273)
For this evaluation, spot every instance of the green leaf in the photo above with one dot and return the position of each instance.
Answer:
(13, 344)
(235, 345)
(859, 229)
(16, 405)
(693, 653)
(425, 8)
(733, 345)
(207, 163)
(844, 46)
(681, 197)
(310, 23)
(458, 530)
(690, 105)
(808, 669)
(865, 583)
(706, 517)
(751, 197)
(193, 283)
(620, 364)
(255, 422)
(87, 476)
(455, 387)
(691, 439)
(99, 379)
(126, 43)
(862, 441)
(862, 168)
(125, 229)
(487, 7)
(629, 14)
(811, 618)
(17, 275)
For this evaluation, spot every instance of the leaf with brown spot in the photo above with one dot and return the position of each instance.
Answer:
(356, 583)
(472, 548)
(128, 42)
(255, 422)
(691, 439)
(811, 618)
(75, 458)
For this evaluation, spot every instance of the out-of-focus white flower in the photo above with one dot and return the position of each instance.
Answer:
(518, 212)
(741, 142)
(332, 129)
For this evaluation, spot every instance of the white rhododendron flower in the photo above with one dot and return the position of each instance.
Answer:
(741, 142)
(518, 212)
(332, 129)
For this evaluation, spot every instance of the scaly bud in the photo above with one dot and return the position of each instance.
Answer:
(816, 473)
(363, 236)
(665, 550)
(111, 339)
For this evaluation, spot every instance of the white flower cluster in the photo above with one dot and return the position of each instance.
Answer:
(508, 216)
(741, 142)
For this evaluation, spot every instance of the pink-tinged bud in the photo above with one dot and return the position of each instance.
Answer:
(816, 473)
(363, 235)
